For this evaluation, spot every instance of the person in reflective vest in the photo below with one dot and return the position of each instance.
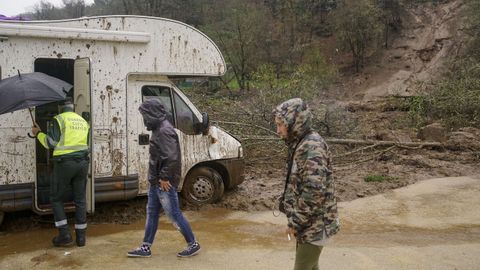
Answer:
(68, 136)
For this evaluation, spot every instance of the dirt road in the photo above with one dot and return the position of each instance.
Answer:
(434, 224)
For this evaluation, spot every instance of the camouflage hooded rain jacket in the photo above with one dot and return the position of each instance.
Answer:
(309, 199)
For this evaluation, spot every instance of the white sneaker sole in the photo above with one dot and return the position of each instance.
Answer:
(138, 256)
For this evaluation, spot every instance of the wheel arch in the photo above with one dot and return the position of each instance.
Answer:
(218, 167)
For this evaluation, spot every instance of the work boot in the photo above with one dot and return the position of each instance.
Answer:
(80, 237)
(64, 238)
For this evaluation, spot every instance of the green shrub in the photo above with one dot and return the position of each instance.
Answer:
(377, 178)
(306, 81)
(417, 110)
(456, 100)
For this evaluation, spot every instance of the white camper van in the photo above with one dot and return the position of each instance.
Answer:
(114, 63)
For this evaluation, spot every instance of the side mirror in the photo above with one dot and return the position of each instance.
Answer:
(143, 139)
(205, 122)
(204, 125)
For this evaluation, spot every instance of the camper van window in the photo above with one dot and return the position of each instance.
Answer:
(185, 117)
(163, 94)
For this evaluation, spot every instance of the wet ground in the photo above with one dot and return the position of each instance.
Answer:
(434, 224)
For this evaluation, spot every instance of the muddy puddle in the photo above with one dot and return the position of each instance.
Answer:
(40, 238)
(434, 224)
(214, 227)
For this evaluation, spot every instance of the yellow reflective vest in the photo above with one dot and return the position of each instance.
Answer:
(74, 134)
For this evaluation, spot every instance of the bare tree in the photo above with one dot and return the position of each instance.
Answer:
(358, 27)
(74, 8)
(240, 30)
(46, 11)
(390, 16)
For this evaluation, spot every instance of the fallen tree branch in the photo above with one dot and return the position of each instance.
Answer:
(265, 158)
(259, 138)
(248, 125)
(356, 151)
(383, 143)
(357, 163)
(410, 147)
(358, 142)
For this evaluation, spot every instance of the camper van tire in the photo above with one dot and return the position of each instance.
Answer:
(2, 214)
(203, 185)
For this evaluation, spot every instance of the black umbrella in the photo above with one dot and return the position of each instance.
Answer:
(29, 90)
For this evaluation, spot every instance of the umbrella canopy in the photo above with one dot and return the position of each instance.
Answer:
(29, 90)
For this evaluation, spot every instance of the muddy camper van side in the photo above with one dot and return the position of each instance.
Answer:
(114, 64)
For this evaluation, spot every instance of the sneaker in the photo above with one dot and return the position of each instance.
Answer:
(143, 251)
(191, 250)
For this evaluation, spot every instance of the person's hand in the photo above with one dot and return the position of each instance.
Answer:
(165, 185)
(35, 130)
(291, 233)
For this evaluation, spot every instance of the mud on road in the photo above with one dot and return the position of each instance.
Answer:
(263, 185)
(433, 224)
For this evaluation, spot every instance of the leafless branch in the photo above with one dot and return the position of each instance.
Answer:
(383, 143)
(356, 151)
(249, 125)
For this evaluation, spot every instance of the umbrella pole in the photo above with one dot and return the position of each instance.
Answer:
(33, 122)
(31, 116)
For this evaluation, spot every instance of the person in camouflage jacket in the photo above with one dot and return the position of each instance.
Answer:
(309, 198)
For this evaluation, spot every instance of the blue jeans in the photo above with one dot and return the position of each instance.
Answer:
(157, 199)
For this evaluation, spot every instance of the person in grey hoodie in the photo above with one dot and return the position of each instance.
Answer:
(164, 176)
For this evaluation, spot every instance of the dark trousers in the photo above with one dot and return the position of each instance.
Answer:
(306, 257)
(69, 173)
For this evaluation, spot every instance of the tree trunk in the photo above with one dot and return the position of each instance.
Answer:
(383, 143)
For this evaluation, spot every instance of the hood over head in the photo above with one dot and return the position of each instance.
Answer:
(153, 113)
(296, 116)
(67, 105)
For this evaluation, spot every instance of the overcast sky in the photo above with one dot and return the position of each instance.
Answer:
(15, 7)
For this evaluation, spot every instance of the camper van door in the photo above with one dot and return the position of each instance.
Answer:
(79, 69)
(82, 100)
(138, 90)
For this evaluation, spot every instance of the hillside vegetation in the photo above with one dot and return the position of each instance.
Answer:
(401, 71)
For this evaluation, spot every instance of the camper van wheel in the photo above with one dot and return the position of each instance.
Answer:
(203, 185)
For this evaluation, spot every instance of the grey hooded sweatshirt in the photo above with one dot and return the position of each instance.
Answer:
(165, 161)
